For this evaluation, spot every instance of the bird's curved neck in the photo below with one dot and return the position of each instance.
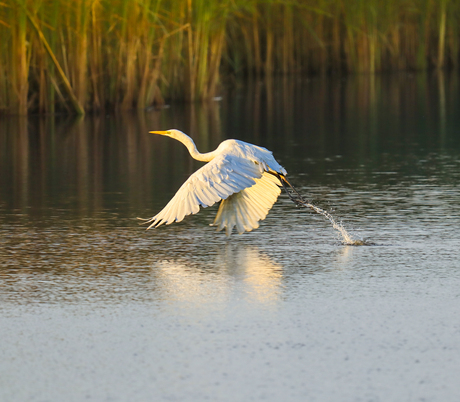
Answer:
(188, 142)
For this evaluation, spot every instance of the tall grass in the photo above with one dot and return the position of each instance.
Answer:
(91, 55)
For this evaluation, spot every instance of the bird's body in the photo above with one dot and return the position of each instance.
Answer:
(243, 176)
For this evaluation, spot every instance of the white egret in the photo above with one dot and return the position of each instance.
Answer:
(245, 178)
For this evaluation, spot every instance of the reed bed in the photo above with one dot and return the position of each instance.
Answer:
(93, 55)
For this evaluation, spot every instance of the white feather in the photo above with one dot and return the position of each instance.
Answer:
(255, 202)
(237, 174)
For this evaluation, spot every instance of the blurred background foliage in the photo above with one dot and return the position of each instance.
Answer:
(93, 55)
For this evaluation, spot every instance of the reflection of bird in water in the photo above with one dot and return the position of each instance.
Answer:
(244, 177)
(245, 271)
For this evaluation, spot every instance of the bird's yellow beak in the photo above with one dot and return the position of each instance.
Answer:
(159, 132)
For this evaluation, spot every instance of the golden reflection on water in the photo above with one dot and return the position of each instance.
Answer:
(262, 275)
(75, 262)
(259, 277)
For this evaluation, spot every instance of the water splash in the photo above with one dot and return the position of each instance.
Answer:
(300, 201)
(347, 239)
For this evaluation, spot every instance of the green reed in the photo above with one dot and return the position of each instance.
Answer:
(90, 55)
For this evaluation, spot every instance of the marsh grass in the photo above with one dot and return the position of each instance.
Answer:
(92, 55)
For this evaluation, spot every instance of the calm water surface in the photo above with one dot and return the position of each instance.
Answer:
(93, 307)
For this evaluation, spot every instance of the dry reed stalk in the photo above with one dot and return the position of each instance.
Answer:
(288, 45)
(453, 35)
(19, 67)
(76, 104)
(129, 73)
(150, 93)
(249, 44)
(256, 42)
(207, 21)
(81, 52)
(4, 87)
(175, 61)
(216, 48)
(442, 33)
(336, 62)
(269, 41)
(190, 64)
(320, 48)
(52, 40)
(372, 40)
(200, 51)
(350, 50)
(40, 54)
(145, 56)
(96, 68)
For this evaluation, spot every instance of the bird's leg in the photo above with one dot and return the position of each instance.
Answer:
(299, 196)
(289, 193)
(297, 199)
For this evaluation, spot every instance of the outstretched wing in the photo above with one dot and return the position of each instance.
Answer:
(246, 208)
(217, 180)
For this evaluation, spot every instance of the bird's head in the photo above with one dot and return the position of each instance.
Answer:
(169, 133)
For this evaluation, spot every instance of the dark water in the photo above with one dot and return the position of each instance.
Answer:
(94, 307)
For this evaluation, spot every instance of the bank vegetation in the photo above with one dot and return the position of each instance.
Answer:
(92, 55)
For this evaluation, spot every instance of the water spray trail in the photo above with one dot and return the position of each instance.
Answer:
(347, 239)
(298, 199)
